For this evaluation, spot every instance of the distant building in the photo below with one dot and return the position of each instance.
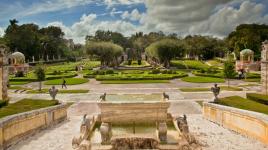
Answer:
(16, 62)
(247, 62)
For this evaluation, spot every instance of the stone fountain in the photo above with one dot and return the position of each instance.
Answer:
(124, 125)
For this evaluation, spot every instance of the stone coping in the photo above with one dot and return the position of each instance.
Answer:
(23, 115)
(132, 102)
(252, 114)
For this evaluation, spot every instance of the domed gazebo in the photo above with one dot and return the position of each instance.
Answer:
(247, 55)
(17, 63)
(16, 58)
(246, 61)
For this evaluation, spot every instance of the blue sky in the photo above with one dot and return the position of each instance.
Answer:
(79, 18)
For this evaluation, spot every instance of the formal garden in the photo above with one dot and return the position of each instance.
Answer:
(137, 80)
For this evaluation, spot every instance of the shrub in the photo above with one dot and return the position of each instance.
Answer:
(155, 71)
(129, 62)
(109, 72)
(19, 74)
(3, 103)
(260, 98)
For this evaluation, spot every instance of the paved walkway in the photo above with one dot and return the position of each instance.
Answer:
(212, 136)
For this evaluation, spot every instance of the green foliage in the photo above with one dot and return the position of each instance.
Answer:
(189, 64)
(106, 51)
(248, 36)
(32, 41)
(3, 103)
(164, 50)
(140, 76)
(40, 73)
(25, 105)
(229, 70)
(69, 81)
(242, 103)
(203, 80)
(260, 98)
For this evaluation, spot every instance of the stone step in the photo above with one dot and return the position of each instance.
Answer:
(168, 147)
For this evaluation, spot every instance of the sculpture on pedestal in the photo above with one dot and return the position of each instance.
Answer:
(216, 92)
(53, 92)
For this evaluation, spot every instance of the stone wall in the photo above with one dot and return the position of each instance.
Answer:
(248, 123)
(116, 112)
(16, 127)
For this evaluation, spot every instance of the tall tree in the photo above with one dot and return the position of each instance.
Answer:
(107, 52)
(164, 50)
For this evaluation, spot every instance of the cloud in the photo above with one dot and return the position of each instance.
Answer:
(133, 16)
(49, 6)
(226, 19)
(172, 15)
(88, 25)
(111, 3)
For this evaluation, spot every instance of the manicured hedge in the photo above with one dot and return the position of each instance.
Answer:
(140, 76)
(69, 81)
(260, 98)
(214, 75)
(67, 75)
(203, 80)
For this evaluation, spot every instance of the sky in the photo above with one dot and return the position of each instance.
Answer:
(79, 18)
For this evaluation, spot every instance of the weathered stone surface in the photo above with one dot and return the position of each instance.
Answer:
(125, 143)
(106, 133)
(16, 127)
(85, 145)
(162, 131)
(242, 121)
(115, 112)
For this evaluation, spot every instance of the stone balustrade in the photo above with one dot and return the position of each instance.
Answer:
(248, 123)
(19, 126)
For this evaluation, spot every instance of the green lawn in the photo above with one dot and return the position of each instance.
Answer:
(133, 81)
(224, 88)
(18, 88)
(203, 80)
(25, 105)
(69, 81)
(242, 103)
(253, 80)
(18, 82)
(60, 91)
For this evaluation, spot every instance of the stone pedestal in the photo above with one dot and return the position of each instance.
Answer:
(3, 73)
(162, 131)
(264, 68)
(106, 133)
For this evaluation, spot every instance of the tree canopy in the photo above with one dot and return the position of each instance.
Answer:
(107, 52)
(164, 50)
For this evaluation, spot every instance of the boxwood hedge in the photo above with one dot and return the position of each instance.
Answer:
(260, 98)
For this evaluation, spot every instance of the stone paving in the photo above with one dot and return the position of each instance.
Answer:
(209, 134)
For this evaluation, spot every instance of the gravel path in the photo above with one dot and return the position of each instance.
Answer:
(215, 137)
(212, 136)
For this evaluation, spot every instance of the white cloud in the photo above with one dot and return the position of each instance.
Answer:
(133, 16)
(111, 3)
(2, 32)
(88, 25)
(226, 19)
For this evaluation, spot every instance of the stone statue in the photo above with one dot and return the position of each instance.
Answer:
(216, 92)
(103, 97)
(183, 124)
(106, 133)
(165, 96)
(53, 92)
